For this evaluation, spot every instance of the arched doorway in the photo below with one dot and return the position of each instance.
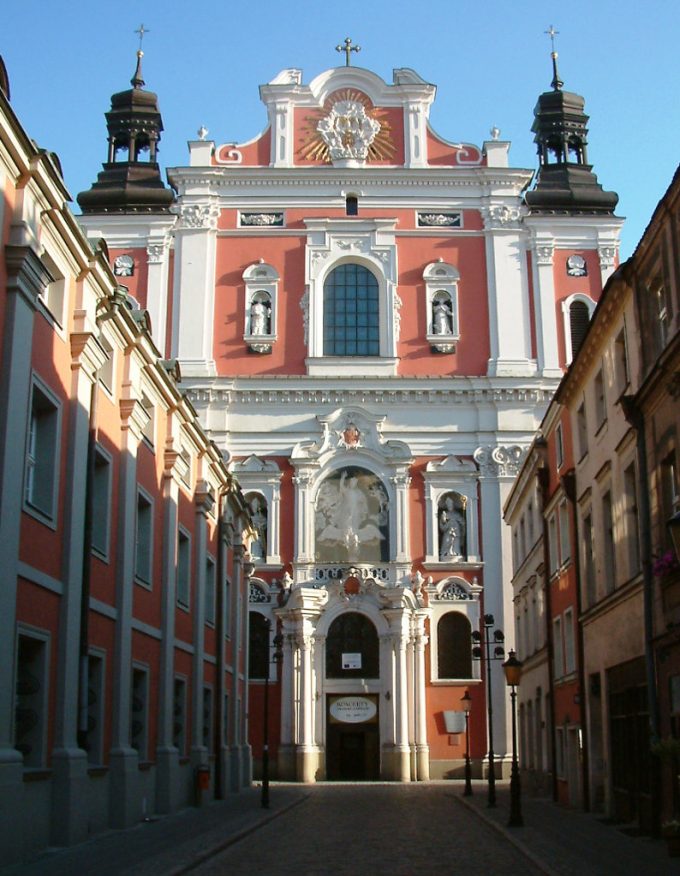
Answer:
(352, 716)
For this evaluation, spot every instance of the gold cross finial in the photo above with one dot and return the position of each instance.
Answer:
(552, 33)
(141, 30)
(347, 49)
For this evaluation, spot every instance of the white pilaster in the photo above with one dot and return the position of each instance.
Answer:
(508, 294)
(194, 288)
(158, 262)
(545, 310)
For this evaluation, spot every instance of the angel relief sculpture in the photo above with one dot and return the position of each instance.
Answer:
(352, 518)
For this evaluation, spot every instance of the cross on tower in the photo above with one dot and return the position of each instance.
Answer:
(141, 30)
(556, 81)
(347, 49)
(552, 33)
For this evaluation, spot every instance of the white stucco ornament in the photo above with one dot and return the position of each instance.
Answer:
(348, 132)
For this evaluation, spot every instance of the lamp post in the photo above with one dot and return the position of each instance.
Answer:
(513, 669)
(278, 656)
(485, 654)
(466, 701)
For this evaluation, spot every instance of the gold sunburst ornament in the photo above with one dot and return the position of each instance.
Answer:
(347, 131)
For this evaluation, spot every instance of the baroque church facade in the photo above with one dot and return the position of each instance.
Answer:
(370, 320)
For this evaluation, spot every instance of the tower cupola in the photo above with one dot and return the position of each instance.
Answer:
(131, 179)
(565, 182)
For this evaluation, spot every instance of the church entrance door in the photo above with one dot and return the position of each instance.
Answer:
(352, 746)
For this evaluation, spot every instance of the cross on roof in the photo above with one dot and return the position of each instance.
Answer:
(141, 30)
(552, 33)
(347, 49)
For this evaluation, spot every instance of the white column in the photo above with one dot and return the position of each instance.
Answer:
(607, 255)
(303, 518)
(194, 288)
(26, 279)
(422, 748)
(545, 308)
(167, 756)
(69, 762)
(286, 759)
(399, 626)
(401, 529)
(498, 468)
(306, 766)
(158, 262)
(238, 658)
(415, 134)
(203, 502)
(508, 294)
(281, 126)
(125, 806)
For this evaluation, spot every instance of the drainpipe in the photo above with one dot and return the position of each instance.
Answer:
(543, 479)
(635, 417)
(569, 486)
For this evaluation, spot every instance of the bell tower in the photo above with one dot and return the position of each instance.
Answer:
(131, 179)
(566, 182)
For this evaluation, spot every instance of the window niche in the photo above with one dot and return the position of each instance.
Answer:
(261, 286)
(441, 302)
(260, 480)
(452, 537)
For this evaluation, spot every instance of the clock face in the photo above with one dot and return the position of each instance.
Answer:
(123, 266)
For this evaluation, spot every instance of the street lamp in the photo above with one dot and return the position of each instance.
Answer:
(513, 669)
(466, 701)
(278, 657)
(498, 654)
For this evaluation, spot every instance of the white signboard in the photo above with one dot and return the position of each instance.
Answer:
(351, 661)
(353, 710)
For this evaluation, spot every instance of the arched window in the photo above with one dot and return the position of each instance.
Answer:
(351, 312)
(579, 318)
(352, 648)
(454, 646)
(258, 645)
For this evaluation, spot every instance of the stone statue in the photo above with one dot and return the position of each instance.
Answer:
(258, 514)
(441, 318)
(349, 518)
(451, 531)
(259, 317)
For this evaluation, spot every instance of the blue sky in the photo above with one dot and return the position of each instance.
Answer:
(489, 61)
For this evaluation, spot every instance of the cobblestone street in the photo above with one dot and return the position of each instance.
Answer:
(378, 829)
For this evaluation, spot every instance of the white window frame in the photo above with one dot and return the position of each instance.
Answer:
(53, 297)
(180, 737)
(566, 320)
(260, 278)
(183, 537)
(144, 577)
(558, 648)
(210, 593)
(469, 607)
(263, 476)
(569, 642)
(97, 710)
(143, 750)
(441, 277)
(42, 699)
(372, 244)
(45, 467)
(102, 503)
(451, 475)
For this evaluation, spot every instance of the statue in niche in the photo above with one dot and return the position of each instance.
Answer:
(441, 317)
(260, 314)
(452, 528)
(352, 518)
(258, 514)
